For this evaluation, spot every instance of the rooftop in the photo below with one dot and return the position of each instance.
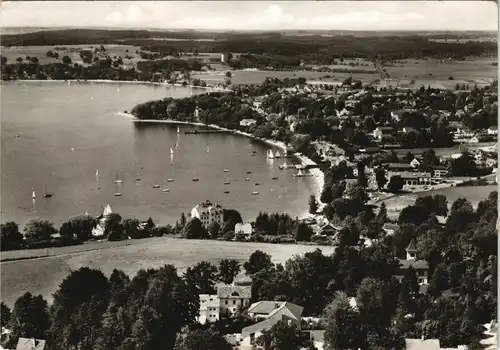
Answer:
(416, 264)
(234, 292)
(420, 344)
(30, 344)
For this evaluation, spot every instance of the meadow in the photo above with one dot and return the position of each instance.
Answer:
(43, 275)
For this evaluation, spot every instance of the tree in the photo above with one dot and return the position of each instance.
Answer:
(326, 194)
(228, 270)
(258, 261)
(380, 178)
(10, 237)
(362, 179)
(437, 204)
(66, 59)
(395, 184)
(313, 204)
(80, 226)
(281, 336)
(37, 230)
(131, 228)
(303, 232)
(415, 214)
(228, 74)
(113, 229)
(4, 60)
(341, 328)
(204, 339)
(4, 315)
(29, 319)
(203, 276)
(183, 220)
(214, 229)
(194, 229)
(19, 59)
(382, 214)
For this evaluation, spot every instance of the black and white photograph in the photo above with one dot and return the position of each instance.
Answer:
(243, 175)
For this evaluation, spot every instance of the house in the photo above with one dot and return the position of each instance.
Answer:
(415, 163)
(244, 230)
(421, 267)
(408, 129)
(229, 298)
(208, 213)
(30, 344)
(398, 167)
(439, 171)
(415, 178)
(382, 131)
(390, 228)
(286, 312)
(264, 309)
(247, 122)
(429, 344)
(317, 338)
(492, 130)
(326, 229)
(98, 231)
(224, 57)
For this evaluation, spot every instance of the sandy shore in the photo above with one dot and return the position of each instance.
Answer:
(107, 81)
(318, 175)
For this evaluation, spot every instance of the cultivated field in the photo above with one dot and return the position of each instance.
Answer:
(43, 275)
(415, 73)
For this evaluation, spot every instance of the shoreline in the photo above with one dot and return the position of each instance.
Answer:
(318, 175)
(108, 81)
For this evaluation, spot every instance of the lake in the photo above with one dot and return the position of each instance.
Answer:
(55, 136)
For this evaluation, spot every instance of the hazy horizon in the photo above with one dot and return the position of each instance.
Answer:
(455, 16)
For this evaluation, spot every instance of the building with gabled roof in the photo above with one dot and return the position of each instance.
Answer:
(31, 344)
(421, 267)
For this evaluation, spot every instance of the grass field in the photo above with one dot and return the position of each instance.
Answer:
(43, 275)
(415, 73)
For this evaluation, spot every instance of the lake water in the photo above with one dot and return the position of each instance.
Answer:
(54, 137)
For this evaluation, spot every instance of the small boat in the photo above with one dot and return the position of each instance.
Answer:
(254, 151)
(138, 179)
(48, 195)
(170, 180)
(249, 172)
(196, 179)
(226, 170)
(208, 149)
(226, 182)
(299, 174)
(284, 166)
(118, 194)
(18, 135)
(255, 193)
(270, 154)
(178, 129)
(166, 190)
(118, 181)
(156, 186)
(257, 184)
(275, 178)
(171, 150)
(226, 192)
(247, 179)
(33, 195)
(277, 154)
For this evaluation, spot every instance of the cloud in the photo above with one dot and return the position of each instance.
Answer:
(133, 14)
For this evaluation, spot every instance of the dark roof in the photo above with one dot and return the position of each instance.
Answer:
(265, 306)
(235, 292)
(399, 166)
(416, 264)
(412, 246)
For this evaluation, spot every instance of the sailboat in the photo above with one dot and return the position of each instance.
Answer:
(277, 154)
(270, 154)
(284, 166)
(299, 174)
(208, 149)
(97, 178)
(47, 194)
(118, 181)
(178, 129)
(33, 195)
(171, 150)
(227, 182)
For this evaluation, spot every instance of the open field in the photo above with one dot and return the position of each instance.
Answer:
(415, 73)
(11, 53)
(43, 275)
(256, 76)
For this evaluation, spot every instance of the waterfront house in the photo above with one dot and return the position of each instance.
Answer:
(439, 171)
(286, 312)
(492, 130)
(229, 298)
(208, 213)
(247, 122)
(31, 344)
(421, 267)
(243, 230)
(415, 178)
(415, 163)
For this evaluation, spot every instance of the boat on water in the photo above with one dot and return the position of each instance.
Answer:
(178, 129)
(274, 178)
(118, 181)
(33, 195)
(284, 166)
(247, 179)
(226, 192)
(226, 182)
(270, 154)
(138, 179)
(170, 180)
(208, 149)
(118, 194)
(226, 170)
(277, 154)
(255, 193)
(48, 195)
(249, 172)
(166, 190)
(156, 186)
(257, 184)
(171, 150)
(196, 179)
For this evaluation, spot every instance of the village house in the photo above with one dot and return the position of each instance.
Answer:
(439, 171)
(286, 312)
(243, 230)
(390, 228)
(229, 298)
(207, 213)
(31, 344)
(382, 131)
(415, 163)
(492, 130)
(415, 178)
(429, 344)
(421, 267)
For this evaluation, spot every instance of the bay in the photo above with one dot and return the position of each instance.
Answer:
(55, 135)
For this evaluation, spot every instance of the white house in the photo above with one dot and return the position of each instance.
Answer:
(247, 122)
(243, 229)
(101, 225)
(493, 130)
(229, 298)
(382, 131)
(224, 57)
(208, 213)
(421, 267)
(415, 163)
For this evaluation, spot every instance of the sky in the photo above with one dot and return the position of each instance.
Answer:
(254, 15)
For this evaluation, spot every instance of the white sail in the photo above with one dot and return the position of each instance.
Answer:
(171, 150)
(299, 173)
(277, 155)
(33, 195)
(208, 149)
(97, 173)
(178, 130)
(107, 210)
(270, 154)
(285, 165)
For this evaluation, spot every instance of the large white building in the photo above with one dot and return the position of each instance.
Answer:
(208, 212)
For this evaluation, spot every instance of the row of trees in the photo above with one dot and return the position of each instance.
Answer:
(354, 291)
